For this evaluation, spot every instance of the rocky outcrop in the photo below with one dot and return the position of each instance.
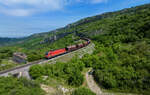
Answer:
(19, 57)
(55, 37)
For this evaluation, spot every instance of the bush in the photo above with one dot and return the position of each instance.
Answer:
(105, 79)
(36, 71)
(83, 91)
(76, 79)
(22, 86)
(70, 72)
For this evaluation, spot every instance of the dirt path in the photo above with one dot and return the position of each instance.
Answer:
(49, 90)
(92, 85)
(96, 89)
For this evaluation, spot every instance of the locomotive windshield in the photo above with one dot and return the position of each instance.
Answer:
(46, 53)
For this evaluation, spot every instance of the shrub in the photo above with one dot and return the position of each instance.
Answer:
(83, 91)
(36, 71)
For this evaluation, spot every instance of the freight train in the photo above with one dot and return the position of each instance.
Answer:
(54, 53)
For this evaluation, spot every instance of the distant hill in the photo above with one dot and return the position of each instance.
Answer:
(9, 41)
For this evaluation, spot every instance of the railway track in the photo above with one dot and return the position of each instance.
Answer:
(22, 66)
(29, 64)
(35, 62)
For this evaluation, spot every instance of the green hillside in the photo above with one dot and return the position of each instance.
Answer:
(121, 61)
(102, 23)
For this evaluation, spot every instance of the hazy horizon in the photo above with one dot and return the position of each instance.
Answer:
(24, 18)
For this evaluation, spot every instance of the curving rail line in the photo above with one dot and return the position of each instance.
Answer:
(22, 66)
(32, 63)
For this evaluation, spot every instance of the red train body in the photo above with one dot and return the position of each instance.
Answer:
(55, 53)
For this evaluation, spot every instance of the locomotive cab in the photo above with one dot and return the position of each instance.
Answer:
(48, 55)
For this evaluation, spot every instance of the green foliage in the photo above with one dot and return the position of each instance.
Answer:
(122, 56)
(36, 71)
(89, 60)
(5, 53)
(82, 91)
(5, 64)
(122, 66)
(70, 72)
(76, 79)
(34, 56)
(22, 86)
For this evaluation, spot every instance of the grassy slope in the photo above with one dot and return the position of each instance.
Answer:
(123, 43)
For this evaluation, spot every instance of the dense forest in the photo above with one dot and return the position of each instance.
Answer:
(121, 60)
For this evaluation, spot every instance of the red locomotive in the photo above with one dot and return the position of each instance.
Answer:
(54, 53)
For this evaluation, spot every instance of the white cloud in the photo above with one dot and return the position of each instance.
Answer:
(28, 7)
(17, 12)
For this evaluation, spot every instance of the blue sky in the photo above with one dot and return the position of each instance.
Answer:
(19, 18)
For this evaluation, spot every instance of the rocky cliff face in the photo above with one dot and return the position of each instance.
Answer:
(55, 37)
